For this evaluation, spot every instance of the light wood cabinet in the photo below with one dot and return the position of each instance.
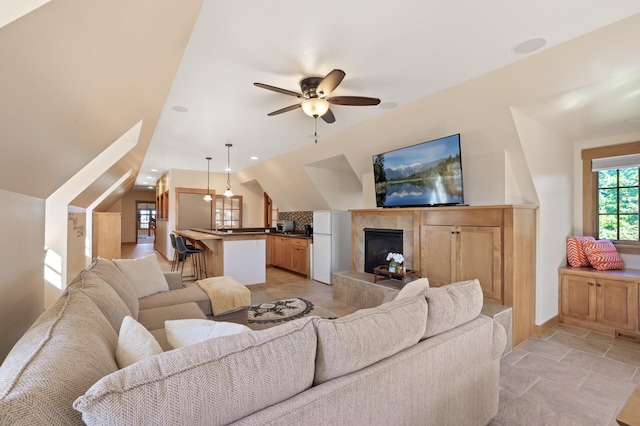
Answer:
(290, 253)
(599, 300)
(300, 256)
(106, 235)
(496, 244)
(457, 253)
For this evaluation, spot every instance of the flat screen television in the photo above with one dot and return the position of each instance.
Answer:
(425, 174)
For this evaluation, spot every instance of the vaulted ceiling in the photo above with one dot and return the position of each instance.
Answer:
(78, 76)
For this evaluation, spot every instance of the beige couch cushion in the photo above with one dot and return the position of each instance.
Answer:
(67, 349)
(452, 305)
(211, 383)
(135, 343)
(144, 274)
(104, 296)
(355, 341)
(154, 318)
(191, 293)
(106, 270)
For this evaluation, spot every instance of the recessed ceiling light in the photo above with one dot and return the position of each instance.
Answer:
(388, 105)
(149, 177)
(633, 120)
(154, 170)
(151, 187)
(180, 108)
(253, 157)
(529, 46)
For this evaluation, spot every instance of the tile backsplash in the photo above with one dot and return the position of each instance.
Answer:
(300, 219)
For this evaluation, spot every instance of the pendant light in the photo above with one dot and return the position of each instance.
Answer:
(228, 192)
(208, 196)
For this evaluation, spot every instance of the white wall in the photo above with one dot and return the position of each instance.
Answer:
(549, 157)
(22, 265)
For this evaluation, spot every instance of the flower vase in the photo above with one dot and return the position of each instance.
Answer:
(392, 266)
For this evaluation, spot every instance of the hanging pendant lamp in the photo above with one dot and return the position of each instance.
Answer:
(208, 196)
(228, 192)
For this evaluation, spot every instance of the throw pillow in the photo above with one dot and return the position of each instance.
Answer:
(135, 343)
(603, 255)
(144, 274)
(452, 305)
(186, 332)
(413, 288)
(575, 251)
(367, 336)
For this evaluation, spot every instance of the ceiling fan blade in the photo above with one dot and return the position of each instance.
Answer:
(279, 90)
(287, 109)
(353, 100)
(328, 117)
(330, 82)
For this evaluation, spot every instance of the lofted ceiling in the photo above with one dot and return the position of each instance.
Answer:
(78, 76)
(397, 52)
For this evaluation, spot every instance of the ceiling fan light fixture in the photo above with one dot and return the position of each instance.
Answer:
(315, 107)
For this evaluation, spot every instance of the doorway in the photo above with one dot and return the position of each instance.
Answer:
(145, 222)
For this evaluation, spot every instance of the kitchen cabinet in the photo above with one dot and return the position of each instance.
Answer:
(457, 253)
(599, 300)
(290, 253)
(300, 256)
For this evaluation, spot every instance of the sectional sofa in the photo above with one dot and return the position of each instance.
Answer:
(424, 359)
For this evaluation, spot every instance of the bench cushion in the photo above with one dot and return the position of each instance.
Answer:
(154, 318)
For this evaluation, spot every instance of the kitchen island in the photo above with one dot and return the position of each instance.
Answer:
(239, 253)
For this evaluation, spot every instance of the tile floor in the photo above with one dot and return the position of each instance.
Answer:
(568, 377)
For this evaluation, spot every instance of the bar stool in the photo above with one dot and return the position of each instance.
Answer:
(176, 255)
(198, 259)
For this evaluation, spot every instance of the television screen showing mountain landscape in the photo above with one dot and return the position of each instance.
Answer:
(425, 174)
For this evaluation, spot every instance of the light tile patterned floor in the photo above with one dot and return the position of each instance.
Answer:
(568, 377)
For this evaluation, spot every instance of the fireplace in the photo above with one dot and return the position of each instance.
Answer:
(378, 243)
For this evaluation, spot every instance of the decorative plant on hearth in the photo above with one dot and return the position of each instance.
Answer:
(395, 259)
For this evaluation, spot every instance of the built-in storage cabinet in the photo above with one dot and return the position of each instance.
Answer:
(456, 253)
(290, 253)
(106, 235)
(496, 244)
(599, 300)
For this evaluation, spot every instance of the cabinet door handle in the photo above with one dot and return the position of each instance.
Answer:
(598, 285)
(591, 284)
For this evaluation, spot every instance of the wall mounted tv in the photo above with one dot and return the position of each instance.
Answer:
(425, 174)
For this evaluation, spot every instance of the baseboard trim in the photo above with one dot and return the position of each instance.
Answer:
(548, 325)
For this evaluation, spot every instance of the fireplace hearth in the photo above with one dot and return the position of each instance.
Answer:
(378, 243)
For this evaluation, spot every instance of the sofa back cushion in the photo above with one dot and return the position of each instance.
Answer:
(367, 336)
(214, 382)
(69, 347)
(104, 296)
(144, 274)
(452, 305)
(106, 270)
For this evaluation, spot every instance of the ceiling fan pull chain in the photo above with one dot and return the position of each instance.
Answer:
(315, 119)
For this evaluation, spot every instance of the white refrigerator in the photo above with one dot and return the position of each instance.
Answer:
(331, 243)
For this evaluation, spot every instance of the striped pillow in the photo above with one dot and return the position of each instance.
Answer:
(575, 251)
(602, 255)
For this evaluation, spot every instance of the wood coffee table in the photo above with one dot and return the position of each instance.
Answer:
(383, 270)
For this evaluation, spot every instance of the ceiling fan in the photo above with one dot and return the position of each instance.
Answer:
(315, 96)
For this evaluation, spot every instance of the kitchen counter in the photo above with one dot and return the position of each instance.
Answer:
(240, 254)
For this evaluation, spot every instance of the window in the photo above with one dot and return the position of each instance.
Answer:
(618, 204)
(228, 211)
(611, 188)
